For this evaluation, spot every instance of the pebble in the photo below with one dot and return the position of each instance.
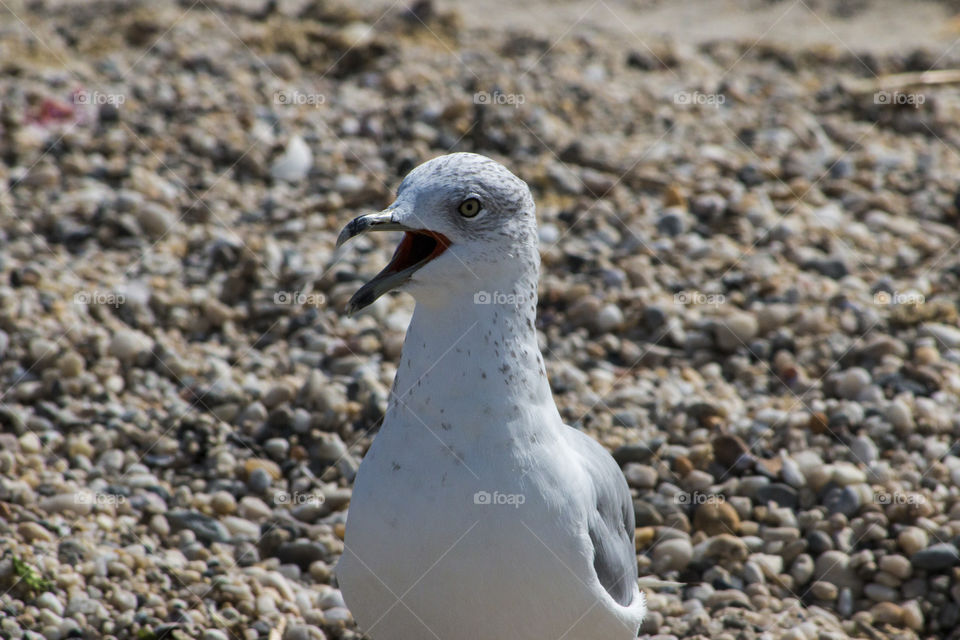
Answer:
(203, 526)
(880, 592)
(716, 517)
(824, 591)
(936, 557)
(156, 219)
(30, 443)
(609, 317)
(864, 449)
(33, 532)
(127, 344)
(253, 508)
(912, 615)
(295, 162)
(736, 330)
(896, 565)
(672, 555)
(778, 493)
(259, 480)
(912, 540)
(223, 503)
(834, 567)
(852, 382)
(640, 476)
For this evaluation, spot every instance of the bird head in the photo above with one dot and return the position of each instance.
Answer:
(468, 224)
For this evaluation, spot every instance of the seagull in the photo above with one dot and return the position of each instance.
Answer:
(477, 514)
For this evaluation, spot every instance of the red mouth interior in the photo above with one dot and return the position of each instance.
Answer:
(417, 247)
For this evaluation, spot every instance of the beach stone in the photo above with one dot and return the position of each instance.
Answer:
(303, 632)
(223, 503)
(253, 508)
(880, 593)
(852, 381)
(295, 162)
(896, 565)
(672, 555)
(887, 613)
(300, 553)
(802, 569)
(127, 344)
(936, 557)
(608, 318)
(912, 615)
(259, 480)
(791, 473)
(123, 600)
(33, 532)
(900, 416)
(48, 600)
(723, 547)
(778, 493)
(864, 449)
(843, 500)
(834, 567)
(912, 540)
(640, 476)
(845, 474)
(714, 518)
(824, 591)
(155, 219)
(203, 526)
(736, 330)
(728, 598)
(30, 443)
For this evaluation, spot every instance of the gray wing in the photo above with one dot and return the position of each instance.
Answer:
(611, 524)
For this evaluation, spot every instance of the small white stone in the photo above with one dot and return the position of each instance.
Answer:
(30, 443)
(295, 162)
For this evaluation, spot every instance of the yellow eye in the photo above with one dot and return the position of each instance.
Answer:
(469, 207)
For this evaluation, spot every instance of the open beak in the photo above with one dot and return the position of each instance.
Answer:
(417, 248)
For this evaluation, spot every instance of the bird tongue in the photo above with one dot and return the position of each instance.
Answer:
(417, 247)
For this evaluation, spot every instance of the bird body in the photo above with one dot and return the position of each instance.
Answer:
(476, 513)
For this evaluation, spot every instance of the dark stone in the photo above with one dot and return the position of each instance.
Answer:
(937, 557)
(819, 541)
(301, 553)
(842, 500)
(204, 527)
(646, 514)
(782, 494)
(830, 267)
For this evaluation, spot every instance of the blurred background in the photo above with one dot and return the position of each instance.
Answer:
(748, 224)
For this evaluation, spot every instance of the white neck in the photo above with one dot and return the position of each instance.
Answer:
(478, 355)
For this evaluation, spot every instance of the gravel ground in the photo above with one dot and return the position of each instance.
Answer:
(750, 296)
